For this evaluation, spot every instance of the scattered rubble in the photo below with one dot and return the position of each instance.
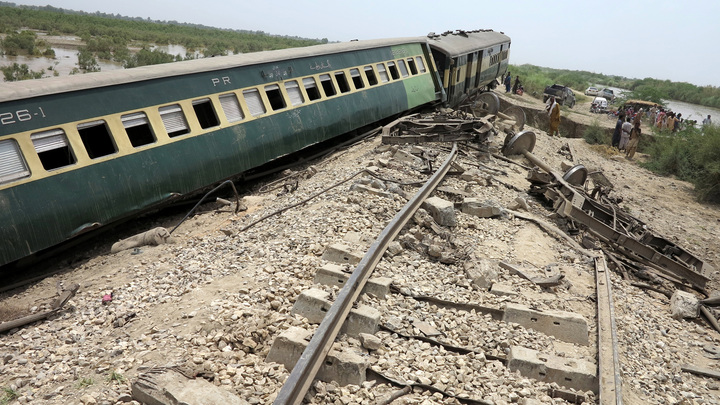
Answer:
(214, 302)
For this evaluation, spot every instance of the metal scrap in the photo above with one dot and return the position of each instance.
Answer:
(621, 231)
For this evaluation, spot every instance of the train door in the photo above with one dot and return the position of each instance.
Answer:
(470, 72)
(478, 68)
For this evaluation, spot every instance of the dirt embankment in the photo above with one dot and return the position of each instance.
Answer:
(574, 121)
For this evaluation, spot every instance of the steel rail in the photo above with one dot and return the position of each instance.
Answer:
(303, 374)
(609, 379)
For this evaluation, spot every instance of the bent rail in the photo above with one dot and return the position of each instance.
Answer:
(302, 375)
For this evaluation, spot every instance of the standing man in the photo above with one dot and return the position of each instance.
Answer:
(554, 114)
(615, 142)
(507, 83)
(625, 136)
(632, 144)
(707, 121)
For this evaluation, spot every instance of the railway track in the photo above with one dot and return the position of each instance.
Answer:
(217, 299)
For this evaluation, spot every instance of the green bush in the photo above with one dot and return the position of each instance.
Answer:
(691, 155)
(16, 72)
(595, 135)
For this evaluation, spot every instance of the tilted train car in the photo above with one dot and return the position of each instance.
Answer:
(80, 152)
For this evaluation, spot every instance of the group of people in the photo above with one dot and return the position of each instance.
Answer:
(517, 88)
(665, 119)
(626, 136)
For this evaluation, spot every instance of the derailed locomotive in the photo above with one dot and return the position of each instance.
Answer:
(81, 152)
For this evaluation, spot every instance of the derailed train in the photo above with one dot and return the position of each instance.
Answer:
(81, 152)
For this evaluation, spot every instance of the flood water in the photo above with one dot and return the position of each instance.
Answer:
(693, 111)
(65, 60)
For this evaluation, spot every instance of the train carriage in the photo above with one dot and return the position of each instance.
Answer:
(80, 152)
(468, 66)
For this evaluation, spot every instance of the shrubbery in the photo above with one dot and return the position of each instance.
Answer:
(595, 135)
(692, 155)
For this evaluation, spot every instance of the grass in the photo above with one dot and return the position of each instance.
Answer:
(7, 395)
(116, 377)
(85, 382)
(692, 155)
(595, 135)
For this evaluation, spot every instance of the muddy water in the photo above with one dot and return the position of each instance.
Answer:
(64, 62)
(694, 111)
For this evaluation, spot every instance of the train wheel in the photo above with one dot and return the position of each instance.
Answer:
(485, 103)
(518, 114)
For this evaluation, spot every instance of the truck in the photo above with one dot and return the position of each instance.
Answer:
(563, 95)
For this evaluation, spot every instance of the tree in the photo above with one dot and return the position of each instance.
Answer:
(16, 72)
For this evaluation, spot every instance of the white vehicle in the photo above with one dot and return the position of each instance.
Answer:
(599, 105)
(591, 91)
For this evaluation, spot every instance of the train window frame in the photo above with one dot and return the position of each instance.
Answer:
(275, 97)
(97, 139)
(205, 113)
(357, 79)
(292, 88)
(311, 88)
(392, 68)
(411, 65)
(370, 75)
(327, 85)
(403, 68)
(138, 129)
(230, 106)
(174, 121)
(254, 102)
(342, 82)
(55, 141)
(13, 165)
(382, 72)
(421, 64)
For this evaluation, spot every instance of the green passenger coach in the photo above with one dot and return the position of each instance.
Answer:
(80, 152)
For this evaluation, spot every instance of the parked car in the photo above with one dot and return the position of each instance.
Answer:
(563, 95)
(599, 105)
(607, 93)
(591, 91)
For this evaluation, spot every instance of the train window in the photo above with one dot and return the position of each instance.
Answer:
(97, 139)
(138, 129)
(370, 75)
(420, 64)
(327, 85)
(174, 120)
(277, 102)
(357, 80)
(403, 68)
(393, 70)
(12, 163)
(311, 88)
(293, 91)
(342, 82)
(254, 102)
(53, 149)
(411, 64)
(205, 113)
(383, 73)
(231, 107)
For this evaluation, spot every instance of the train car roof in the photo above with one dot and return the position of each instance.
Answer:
(32, 88)
(456, 43)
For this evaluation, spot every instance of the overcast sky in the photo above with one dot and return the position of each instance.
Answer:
(664, 39)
